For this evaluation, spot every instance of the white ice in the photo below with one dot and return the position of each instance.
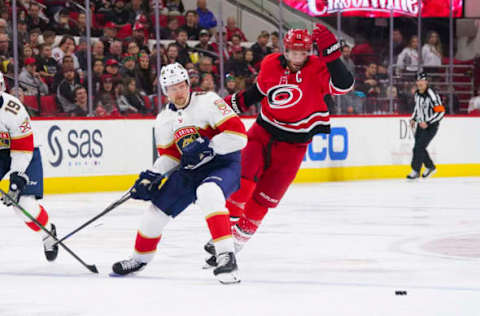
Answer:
(328, 249)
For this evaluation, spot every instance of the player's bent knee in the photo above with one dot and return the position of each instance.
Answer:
(210, 197)
(153, 222)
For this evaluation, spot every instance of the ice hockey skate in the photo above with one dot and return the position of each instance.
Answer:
(126, 267)
(429, 172)
(49, 246)
(227, 270)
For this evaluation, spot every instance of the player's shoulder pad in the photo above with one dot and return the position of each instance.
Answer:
(6, 98)
(273, 58)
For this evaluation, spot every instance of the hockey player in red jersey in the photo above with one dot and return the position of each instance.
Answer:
(295, 90)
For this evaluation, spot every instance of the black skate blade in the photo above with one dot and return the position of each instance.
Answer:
(116, 275)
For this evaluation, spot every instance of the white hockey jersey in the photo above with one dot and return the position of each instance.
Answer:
(206, 115)
(16, 132)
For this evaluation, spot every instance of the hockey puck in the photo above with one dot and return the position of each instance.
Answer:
(400, 293)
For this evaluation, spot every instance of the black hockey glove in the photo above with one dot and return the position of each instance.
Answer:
(196, 154)
(146, 184)
(18, 181)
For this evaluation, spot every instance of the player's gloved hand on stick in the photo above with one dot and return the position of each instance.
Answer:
(327, 44)
(145, 185)
(196, 154)
(18, 181)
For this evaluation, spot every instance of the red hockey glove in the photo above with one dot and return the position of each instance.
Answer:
(328, 46)
(236, 101)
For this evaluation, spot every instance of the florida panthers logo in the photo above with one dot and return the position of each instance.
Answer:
(185, 136)
(284, 96)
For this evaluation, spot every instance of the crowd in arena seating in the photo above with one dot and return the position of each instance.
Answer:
(52, 50)
(53, 57)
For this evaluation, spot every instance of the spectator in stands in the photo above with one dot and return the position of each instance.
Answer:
(105, 99)
(62, 23)
(119, 14)
(398, 44)
(46, 65)
(19, 94)
(98, 70)
(137, 8)
(236, 42)
(128, 69)
(205, 65)
(98, 50)
(139, 37)
(116, 50)
(236, 65)
(5, 27)
(274, 39)
(183, 48)
(67, 61)
(26, 52)
(174, 7)
(206, 19)
(432, 50)
(66, 47)
(204, 43)
(133, 49)
(81, 52)
(33, 18)
(109, 33)
(347, 59)
(168, 33)
(79, 27)
(145, 75)
(208, 82)
(49, 38)
(66, 90)
(231, 84)
(22, 31)
(226, 47)
(34, 40)
(260, 48)
(408, 58)
(368, 82)
(191, 25)
(172, 53)
(30, 80)
(232, 29)
(132, 101)
(252, 71)
(194, 79)
(363, 52)
(5, 49)
(81, 102)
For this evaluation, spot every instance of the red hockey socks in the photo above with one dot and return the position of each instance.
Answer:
(146, 245)
(236, 201)
(248, 223)
(219, 226)
(41, 217)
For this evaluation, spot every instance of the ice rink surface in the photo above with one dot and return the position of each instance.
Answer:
(328, 249)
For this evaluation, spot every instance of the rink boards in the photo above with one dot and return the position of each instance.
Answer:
(106, 155)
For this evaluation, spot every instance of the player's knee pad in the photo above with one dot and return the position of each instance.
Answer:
(30, 204)
(153, 222)
(210, 198)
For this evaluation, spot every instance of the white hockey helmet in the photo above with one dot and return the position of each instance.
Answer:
(172, 74)
(3, 87)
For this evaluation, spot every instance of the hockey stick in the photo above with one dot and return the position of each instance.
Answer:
(91, 268)
(110, 208)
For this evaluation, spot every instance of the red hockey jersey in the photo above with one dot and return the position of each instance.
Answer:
(294, 107)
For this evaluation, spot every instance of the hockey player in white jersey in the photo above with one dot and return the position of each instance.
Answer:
(22, 160)
(199, 134)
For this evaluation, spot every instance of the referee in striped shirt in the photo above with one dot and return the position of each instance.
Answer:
(427, 115)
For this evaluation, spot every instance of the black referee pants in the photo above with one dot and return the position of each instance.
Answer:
(423, 137)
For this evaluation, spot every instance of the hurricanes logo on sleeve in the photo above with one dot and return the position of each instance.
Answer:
(185, 136)
(284, 96)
